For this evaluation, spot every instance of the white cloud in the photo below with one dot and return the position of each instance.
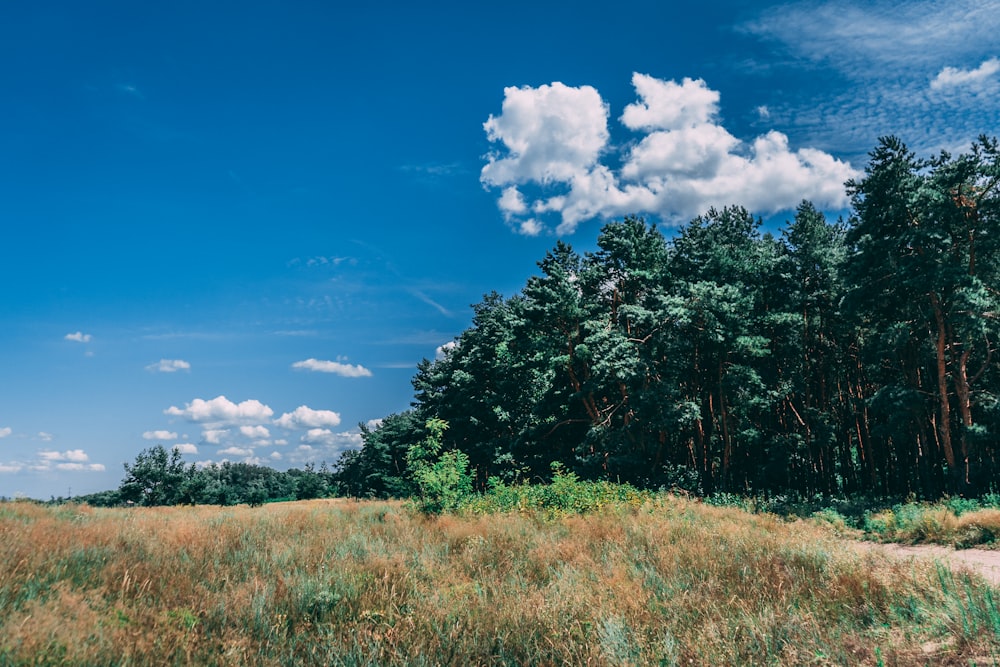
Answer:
(862, 38)
(11, 467)
(76, 455)
(305, 417)
(335, 367)
(323, 443)
(214, 436)
(78, 337)
(236, 451)
(44, 437)
(159, 435)
(169, 366)
(186, 448)
(443, 351)
(276, 456)
(5, 431)
(872, 61)
(255, 431)
(220, 410)
(951, 77)
(91, 467)
(685, 163)
(549, 134)
(323, 436)
(667, 105)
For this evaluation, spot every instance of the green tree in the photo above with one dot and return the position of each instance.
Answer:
(924, 269)
(442, 478)
(154, 478)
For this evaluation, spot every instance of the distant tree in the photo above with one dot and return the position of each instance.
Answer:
(155, 478)
(309, 484)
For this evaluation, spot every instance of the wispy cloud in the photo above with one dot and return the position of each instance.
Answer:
(434, 173)
(862, 39)
(5, 431)
(78, 337)
(911, 69)
(320, 261)
(131, 90)
(335, 367)
(169, 366)
(430, 302)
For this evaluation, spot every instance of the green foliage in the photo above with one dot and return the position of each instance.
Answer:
(159, 477)
(566, 494)
(442, 478)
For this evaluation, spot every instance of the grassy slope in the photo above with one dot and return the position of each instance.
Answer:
(336, 582)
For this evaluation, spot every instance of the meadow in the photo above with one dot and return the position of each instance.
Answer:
(653, 581)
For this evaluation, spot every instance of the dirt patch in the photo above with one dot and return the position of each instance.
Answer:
(981, 561)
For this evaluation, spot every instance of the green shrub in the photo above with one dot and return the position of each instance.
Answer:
(442, 479)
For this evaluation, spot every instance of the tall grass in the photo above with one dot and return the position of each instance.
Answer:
(667, 581)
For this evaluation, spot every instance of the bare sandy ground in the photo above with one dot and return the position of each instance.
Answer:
(982, 561)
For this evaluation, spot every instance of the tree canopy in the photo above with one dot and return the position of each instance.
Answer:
(838, 357)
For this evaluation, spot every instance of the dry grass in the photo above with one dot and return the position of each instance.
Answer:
(673, 582)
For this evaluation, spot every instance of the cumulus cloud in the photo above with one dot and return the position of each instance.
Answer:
(220, 410)
(159, 435)
(552, 139)
(304, 417)
(443, 351)
(549, 133)
(214, 436)
(186, 448)
(169, 366)
(236, 451)
(78, 337)
(335, 367)
(5, 431)
(72, 460)
(322, 436)
(258, 432)
(952, 77)
(323, 443)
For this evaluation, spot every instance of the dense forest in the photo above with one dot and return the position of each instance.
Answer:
(837, 357)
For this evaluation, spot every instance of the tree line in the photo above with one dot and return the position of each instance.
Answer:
(158, 476)
(837, 357)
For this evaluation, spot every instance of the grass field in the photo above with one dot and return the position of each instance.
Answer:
(669, 582)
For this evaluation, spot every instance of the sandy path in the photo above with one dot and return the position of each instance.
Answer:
(983, 561)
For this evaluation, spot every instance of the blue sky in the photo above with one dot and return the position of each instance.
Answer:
(235, 228)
